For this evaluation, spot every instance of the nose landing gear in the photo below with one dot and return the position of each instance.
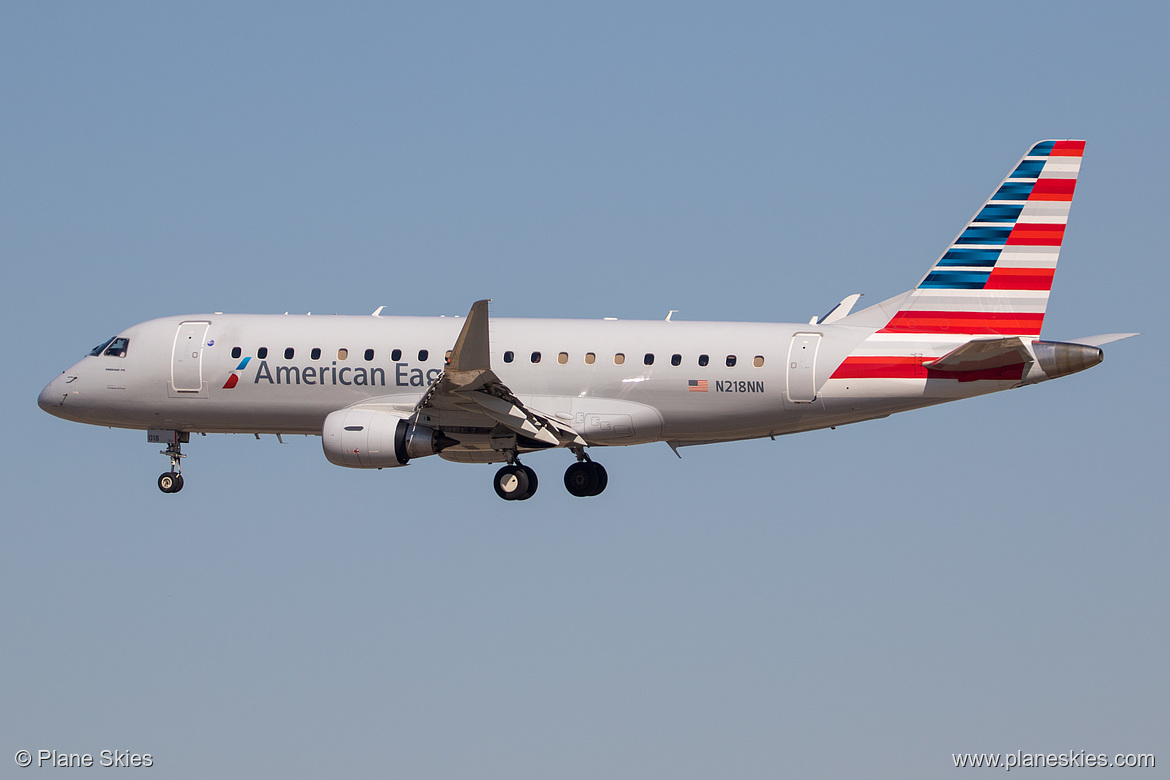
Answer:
(170, 481)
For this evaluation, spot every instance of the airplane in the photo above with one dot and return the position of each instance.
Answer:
(382, 390)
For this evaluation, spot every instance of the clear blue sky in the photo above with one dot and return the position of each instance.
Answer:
(987, 576)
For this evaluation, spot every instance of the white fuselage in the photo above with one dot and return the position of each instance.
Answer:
(614, 382)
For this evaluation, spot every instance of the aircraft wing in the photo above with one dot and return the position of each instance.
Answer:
(469, 391)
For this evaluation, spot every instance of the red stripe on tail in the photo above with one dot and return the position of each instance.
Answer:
(974, 322)
(880, 368)
(901, 367)
(1053, 189)
(1020, 279)
(1068, 149)
(1035, 234)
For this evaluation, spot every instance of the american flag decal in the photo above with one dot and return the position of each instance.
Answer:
(697, 385)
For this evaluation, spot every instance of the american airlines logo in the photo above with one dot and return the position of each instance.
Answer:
(404, 375)
(234, 378)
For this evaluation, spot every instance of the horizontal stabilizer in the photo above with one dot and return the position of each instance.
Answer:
(1108, 338)
(982, 354)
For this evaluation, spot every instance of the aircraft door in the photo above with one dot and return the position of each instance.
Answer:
(187, 357)
(802, 362)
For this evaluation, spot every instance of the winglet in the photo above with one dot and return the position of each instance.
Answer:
(472, 351)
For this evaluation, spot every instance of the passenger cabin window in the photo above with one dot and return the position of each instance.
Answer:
(236, 352)
(509, 356)
(618, 359)
(704, 360)
(316, 353)
(262, 353)
(288, 353)
(676, 360)
(535, 357)
(562, 358)
(342, 353)
(730, 361)
(648, 359)
(758, 361)
(422, 355)
(396, 355)
(369, 355)
(590, 358)
(117, 348)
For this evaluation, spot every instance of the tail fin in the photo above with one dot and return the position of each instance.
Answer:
(996, 275)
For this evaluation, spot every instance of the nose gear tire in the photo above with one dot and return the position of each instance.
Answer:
(170, 482)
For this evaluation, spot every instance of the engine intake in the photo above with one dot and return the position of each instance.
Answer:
(375, 439)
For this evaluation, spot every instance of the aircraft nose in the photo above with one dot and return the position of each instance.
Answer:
(52, 398)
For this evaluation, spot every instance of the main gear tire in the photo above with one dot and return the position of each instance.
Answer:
(512, 484)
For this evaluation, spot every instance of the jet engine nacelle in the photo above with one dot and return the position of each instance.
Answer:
(376, 439)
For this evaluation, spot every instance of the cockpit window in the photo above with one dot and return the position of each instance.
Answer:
(117, 347)
(101, 347)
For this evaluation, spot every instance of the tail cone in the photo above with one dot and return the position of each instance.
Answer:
(1058, 358)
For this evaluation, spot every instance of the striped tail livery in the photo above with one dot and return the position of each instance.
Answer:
(977, 313)
(995, 276)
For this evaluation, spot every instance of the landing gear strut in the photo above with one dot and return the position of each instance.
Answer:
(585, 478)
(171, 481)
(515, 482)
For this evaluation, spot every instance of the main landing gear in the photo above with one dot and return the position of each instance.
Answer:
(585, 478)
(517, 482)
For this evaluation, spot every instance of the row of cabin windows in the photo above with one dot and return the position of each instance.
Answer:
(619, 358)
(342, 354)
